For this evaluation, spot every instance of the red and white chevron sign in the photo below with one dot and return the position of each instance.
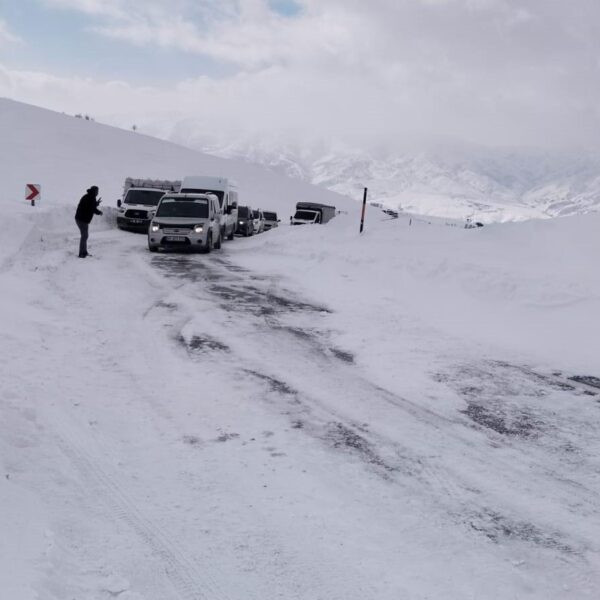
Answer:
(32, 191)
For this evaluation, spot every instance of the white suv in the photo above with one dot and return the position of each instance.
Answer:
(186, 221)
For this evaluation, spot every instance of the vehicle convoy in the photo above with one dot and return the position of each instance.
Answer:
(245, 222)
(259, 220)
(140, 199)
(271, 220)
(226, 192)
(186, 221)
(312, 212)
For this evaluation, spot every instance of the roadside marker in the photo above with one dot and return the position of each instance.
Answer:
(362, 216)
(32, 191)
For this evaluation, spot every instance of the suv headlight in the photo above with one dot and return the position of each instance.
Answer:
(154, 227)
(198, 228)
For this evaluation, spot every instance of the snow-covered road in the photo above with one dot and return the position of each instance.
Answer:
(179, 426)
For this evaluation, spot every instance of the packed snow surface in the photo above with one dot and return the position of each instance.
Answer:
(307, 414)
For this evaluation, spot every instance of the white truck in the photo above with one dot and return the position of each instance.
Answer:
(225, 190)
(139, 202)
(312, 212)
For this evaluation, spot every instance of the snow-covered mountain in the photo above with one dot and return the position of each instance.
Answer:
(451, 180)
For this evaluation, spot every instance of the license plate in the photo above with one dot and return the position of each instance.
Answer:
(175, 238)
(136, 221)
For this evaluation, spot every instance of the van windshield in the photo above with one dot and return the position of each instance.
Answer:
(145, 197)
(243, 211)
(218, 193)
(305, 215)
(171, 207)
(269, 216)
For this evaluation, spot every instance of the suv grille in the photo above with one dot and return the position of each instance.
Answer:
(175, 226)
(136, 214)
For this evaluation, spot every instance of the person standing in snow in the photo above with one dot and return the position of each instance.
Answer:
(86, 209)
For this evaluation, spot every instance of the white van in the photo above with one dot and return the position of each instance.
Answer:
(186, 222)
(140, 199)
(225, 190)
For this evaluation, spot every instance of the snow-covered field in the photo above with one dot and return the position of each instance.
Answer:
(307, 414)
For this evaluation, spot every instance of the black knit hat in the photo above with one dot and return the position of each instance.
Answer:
(93, 190)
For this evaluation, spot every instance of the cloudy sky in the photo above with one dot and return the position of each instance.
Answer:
(498, 72)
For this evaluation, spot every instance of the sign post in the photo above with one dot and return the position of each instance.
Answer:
(32, 191)
(362, 215)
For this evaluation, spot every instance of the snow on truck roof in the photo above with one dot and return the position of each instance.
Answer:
(165, 185)
(208, 181)
(190, 196)
(312, 206)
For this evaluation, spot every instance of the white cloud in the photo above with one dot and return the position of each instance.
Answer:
(497, 71)
(6, 36)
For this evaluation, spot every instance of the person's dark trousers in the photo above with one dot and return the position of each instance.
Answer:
(83, 228)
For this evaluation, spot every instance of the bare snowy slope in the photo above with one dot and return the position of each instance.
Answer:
(66, 155)
(307, 414)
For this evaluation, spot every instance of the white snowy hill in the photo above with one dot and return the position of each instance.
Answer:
(451, 180)
(66, 155)
(307, 414)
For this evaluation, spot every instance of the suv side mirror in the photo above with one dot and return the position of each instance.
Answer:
(229, 209)
(119, 202)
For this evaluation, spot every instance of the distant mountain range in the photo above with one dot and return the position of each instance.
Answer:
(452, 181)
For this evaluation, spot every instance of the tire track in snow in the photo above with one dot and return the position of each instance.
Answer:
(187, 578)
(230, 286)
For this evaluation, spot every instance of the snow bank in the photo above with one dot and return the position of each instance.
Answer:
(529, 289)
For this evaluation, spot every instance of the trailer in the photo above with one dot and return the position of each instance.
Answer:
(312, 213)
(140, 199)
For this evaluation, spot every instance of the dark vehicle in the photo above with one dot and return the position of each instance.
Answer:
(312, 213)
(271, 220)
(245, 223)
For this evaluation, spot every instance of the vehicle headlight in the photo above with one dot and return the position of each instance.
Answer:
(241, 222)
(155, 227)
(198, 229)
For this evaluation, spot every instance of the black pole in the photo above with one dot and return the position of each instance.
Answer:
(362, 216)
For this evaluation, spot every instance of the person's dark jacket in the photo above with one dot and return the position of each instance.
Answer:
(87, 208)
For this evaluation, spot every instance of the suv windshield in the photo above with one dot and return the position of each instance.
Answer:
(269, 216)
(305, 215)
(243, 212)
(218, 193)
(171, 207)
(146, 197)
(255, 214)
